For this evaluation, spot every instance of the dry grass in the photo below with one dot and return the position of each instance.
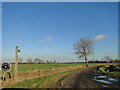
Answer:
(38, 73)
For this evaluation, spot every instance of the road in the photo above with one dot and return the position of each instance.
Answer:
(84, 79)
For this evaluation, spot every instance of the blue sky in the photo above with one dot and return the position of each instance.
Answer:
(49, 30)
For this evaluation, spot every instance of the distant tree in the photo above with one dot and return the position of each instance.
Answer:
(50, 61)
(96, 61)
(111, 60)
(84, 47)
(118, 61)
(41, 61)
(107, 58)
(102, 60)
(20, 60)
(47, 61)
(37, 60)
(91, 61)
(54, 61)
(57, 61)
(29, 60)
(115, 61)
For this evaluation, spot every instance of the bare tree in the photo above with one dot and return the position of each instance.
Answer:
(115, 61)
(47, 61)
(112, 61)
(36, 60)
(57, 61)
(84, 47)
(50, 61)
(20, 60)
(54, 61)
(41, 61)
(29, 60)
(107, 58)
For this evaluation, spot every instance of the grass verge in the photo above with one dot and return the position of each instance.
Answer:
(49, 81)
(114, 73)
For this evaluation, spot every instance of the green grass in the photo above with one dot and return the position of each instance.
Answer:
(31, 67)
(114, 73)
(49, 81)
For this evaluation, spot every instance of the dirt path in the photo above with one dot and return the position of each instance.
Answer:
(83, 79)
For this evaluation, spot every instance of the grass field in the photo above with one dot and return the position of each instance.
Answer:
(45, 81)
(31, 67)
(49, 81)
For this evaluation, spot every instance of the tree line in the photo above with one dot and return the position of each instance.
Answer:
(83, 48)
(104, 61)
(36, 60)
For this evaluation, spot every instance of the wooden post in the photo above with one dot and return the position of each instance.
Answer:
(16, 63)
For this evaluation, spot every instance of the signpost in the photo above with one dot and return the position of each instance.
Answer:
(16, 62)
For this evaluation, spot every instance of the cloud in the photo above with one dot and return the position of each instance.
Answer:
(100, 37)
(47, 39)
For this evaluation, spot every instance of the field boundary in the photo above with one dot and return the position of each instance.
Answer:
(25, 75)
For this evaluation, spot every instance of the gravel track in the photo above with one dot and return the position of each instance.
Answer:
(84, 79)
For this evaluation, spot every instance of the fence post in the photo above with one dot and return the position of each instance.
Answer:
(16, 63)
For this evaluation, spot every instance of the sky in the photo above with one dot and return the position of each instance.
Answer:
(0, 32)
(60, 0)
(49, 30)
